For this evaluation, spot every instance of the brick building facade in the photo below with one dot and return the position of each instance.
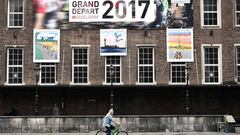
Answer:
(130, 97)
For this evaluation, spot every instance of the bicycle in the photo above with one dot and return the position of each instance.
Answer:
(115, 131)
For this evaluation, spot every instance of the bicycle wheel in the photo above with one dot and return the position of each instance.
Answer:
(122, 133)
(100, 132)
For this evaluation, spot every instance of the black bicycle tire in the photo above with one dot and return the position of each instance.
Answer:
(100, 131)
(122, 132)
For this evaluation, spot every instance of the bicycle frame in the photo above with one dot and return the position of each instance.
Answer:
(114, 131)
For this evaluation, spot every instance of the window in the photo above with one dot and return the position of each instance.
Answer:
(211, 65)
(211, 13)
(15, 13)
(178, 73)
(48, 73)
(238, 13)
(15, 66)
(238, 63)
(80, 65)
(146, 65)
(115, 61)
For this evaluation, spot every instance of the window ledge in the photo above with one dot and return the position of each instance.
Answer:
(48, 84)
(171, 83)
(211, 27)
(72, 83)
(218, 83)
(105, 83)
(152, 83)
(15, 27)
(14, 84)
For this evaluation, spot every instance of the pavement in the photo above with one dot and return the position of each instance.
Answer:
(135, 133)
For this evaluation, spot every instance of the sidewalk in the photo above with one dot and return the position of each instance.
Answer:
(136, 133)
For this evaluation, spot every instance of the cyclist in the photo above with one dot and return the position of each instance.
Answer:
(107, 120)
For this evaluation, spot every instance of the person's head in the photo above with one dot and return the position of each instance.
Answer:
(111, 111)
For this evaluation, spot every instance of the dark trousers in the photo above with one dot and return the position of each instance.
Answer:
(108, 130)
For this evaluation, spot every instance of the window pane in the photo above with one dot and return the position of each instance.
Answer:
(80, 74)
(238, 55)
(80, 65)
(210, 5)
(145, 65)
(211, 69)
(113, 74)
(15, 13)
(238, 73)
(15, 75)
(211, 55)
(238, 5)
(145, 74)
(238, 18)
(15, 65)
(178, 72)
(48, 73)
(210, 12)
(80, 56)
(238, 63)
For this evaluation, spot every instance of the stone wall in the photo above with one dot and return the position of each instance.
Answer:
(85, 124)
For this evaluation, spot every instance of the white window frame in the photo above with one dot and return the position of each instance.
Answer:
(40, 74)
(236, 64)
(219, 46)
(80, 47)
(7, 81)
(219, 22)
(153, 65)
(178, 83)
(8, 15)
(236, 12)
(105, 73)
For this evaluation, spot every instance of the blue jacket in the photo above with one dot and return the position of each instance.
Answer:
(107, 120)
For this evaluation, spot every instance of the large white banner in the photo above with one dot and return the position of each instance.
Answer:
(113, 42)
(111, 10)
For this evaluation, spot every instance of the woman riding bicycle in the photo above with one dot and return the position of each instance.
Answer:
(107, 120)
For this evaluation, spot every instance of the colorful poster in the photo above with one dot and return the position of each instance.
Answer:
(46, 45)
(113, 42)
(180, 45)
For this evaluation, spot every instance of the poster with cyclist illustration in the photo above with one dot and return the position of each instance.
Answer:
(180, 45)
(46, 45)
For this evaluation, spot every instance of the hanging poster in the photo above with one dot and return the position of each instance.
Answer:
(46, 45)
(180, 45)
(113, 42)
